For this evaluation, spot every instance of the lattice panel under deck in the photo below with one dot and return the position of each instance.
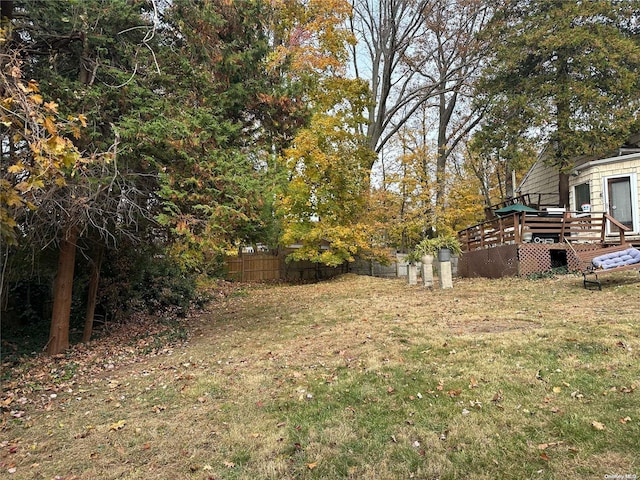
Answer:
(536, 258)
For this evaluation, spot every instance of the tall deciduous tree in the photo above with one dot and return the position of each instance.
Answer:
(324, 204)
(569, 73)
(385, 55)
(420, 58)
(455, 51)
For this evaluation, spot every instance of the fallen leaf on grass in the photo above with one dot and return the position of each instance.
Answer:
(119, 425)
(473, 383)
(311, 466)
(85, 434)
(544, 446)
(625, 420)
(454, 393)
(598, 425)
(228, 464)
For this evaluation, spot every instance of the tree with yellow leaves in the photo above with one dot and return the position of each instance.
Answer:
(37, 151)
(323, 208)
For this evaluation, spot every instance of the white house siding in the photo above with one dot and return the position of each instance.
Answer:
(596, 173)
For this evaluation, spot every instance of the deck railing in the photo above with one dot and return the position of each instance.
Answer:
(520, 228)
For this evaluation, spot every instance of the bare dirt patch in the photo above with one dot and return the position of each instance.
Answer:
(489, 325)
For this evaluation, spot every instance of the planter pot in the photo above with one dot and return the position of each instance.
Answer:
(444, 255)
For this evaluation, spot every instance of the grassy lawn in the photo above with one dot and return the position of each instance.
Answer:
(354, 378)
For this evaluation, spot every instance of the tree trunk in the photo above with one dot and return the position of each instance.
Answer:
(62, 294)
(563, 190)
(564, 132)
(6, 11)
(94, 280)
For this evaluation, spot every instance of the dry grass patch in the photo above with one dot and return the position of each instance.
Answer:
(360, 378)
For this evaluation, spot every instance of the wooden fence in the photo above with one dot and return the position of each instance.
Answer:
(253, 267)
(261, 267)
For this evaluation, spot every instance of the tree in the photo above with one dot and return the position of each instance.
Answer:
(328, 162)
(568, 73)
(414, 178)
(37, 150)
(39, 159)
(455, 51)
(69, 50)
(224, 113)
(499, 151)
(327, 194)
(386, 56)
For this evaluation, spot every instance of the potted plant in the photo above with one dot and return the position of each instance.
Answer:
(431, 246)
(447, 245)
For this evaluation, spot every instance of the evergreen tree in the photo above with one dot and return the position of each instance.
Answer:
(568, 73)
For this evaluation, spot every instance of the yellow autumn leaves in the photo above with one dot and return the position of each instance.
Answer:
(38, 152)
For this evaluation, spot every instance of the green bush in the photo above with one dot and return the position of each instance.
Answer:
(144, 280)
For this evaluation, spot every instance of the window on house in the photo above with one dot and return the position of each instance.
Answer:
(582, 196)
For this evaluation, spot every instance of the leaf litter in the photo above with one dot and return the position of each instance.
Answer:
(239, 346)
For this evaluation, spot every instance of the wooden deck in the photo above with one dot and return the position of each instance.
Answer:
(522, 244)
(520, 228)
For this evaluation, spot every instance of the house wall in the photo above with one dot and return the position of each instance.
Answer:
(595, 176)
(541, 179)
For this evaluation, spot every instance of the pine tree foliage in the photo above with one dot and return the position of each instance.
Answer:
(566, 73)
